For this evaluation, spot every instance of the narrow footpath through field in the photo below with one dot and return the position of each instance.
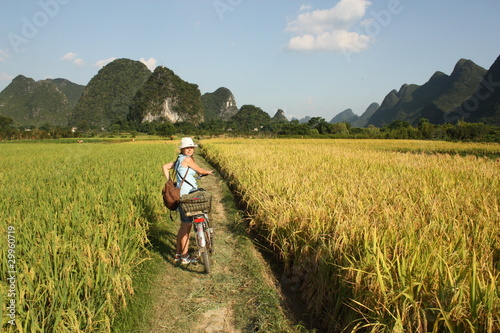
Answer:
(239, 295)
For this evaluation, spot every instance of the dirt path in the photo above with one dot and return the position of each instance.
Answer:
(240, 293)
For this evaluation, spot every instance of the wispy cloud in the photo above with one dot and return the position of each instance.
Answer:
(304, 8)
(79, 62)
(309, 104)
(69, 56)
(73, 57)
(104, 62)
(4, 55)
(5, 77)
(150, 63)
(330, 29)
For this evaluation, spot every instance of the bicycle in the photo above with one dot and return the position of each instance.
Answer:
(197, 207)
(204, 235)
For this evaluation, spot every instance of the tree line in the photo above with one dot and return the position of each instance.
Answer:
(256, 126)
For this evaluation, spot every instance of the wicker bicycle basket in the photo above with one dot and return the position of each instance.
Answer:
(199, 201)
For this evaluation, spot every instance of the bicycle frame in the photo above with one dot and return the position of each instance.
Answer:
(204, 235)
(204, 238)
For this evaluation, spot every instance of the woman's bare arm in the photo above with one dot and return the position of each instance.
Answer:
(189, 162)
(166, 169)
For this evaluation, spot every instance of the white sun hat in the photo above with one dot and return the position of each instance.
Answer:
(187, 142)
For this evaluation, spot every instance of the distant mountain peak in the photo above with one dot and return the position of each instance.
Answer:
(436, 75)
(22, 78)
(362, 121)
(107, 96)
(484, 104)
(279, 116)
(432, 100)
(219, 104)
(344, 116)
(165, 96)
(29, 102)
(462, 62)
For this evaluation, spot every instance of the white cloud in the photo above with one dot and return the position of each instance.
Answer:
(69, 56)
(79, 62)
(344, 15)
(104, 62)
(335, 41)
(4, 55)
(72, 57)
(150, 63)
(331, 29)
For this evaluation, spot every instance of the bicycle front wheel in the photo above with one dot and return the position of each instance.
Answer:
(205, 254)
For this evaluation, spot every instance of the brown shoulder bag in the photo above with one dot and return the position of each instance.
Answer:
(171, 193)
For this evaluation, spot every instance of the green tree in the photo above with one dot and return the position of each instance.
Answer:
(46, 127)
(115, 128)
(426, 128)
(469, 131)
(340, 128)
(397, 125)
(6, 122)
(319, 124)
(185, 127)
(214, 126)
(248, 118)
(165, 129)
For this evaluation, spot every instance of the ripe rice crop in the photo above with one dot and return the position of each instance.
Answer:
(81, 214)
(383, 236)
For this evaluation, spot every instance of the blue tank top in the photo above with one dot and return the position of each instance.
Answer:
(181, 171)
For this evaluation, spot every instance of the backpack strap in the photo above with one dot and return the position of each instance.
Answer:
(185, 175)
(173, 175)
(187, 181)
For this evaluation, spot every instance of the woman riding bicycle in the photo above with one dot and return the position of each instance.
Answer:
(185, 166)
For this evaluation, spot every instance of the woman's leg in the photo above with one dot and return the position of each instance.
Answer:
(183, 238)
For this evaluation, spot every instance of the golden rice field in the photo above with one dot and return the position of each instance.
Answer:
(385, 236)
(74, 221)
(382, 236)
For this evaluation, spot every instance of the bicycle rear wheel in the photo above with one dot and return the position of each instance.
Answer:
(206, 260)
(209, 236)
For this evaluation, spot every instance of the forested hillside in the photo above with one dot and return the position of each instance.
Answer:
(107, 97)
(433, 100)
(36, 103)
(166, 97)
(220, 104)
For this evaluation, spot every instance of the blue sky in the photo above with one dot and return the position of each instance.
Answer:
(308, 58)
